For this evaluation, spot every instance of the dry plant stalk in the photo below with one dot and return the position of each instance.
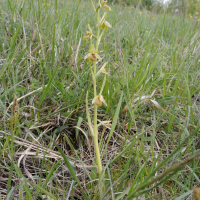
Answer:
(196, 193)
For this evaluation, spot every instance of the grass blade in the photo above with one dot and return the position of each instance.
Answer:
(114, 122)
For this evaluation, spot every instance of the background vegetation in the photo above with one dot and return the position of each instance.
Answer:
(152, 95)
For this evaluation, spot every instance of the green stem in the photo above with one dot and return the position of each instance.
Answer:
(95, 106)
(96, 145)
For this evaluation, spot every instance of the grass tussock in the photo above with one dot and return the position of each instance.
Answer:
(152, 93)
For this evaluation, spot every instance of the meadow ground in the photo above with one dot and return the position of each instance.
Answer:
(152, 94)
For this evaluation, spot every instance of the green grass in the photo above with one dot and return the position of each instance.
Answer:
(152, 93)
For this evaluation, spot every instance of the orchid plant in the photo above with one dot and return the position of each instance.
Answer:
(93, 57)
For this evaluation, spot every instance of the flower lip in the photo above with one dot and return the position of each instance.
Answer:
(105, 25)
(93, 56)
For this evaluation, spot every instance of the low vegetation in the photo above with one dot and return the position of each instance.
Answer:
(149, 150)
